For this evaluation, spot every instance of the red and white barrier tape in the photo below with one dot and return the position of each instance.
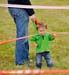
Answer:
(14, 39)
(34, 6)
(61, 32)
(35, 72)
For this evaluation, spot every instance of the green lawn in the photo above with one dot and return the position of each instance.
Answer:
(57, 20)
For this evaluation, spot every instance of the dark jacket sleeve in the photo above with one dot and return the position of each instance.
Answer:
(29, 11)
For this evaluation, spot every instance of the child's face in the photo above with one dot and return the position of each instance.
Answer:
(42, 30)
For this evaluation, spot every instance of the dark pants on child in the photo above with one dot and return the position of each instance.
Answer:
(47, 58)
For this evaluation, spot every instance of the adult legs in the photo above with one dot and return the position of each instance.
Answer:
(21, 20)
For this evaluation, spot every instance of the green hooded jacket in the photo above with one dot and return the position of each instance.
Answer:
(43, 42)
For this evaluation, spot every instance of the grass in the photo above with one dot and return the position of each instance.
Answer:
(57, 20)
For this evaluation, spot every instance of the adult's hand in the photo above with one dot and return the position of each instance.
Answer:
(33, 17)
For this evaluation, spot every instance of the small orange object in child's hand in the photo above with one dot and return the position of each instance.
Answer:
(54, 34)
(34, 44)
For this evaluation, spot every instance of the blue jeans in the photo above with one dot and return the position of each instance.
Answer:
(47, 58)
(21, 19)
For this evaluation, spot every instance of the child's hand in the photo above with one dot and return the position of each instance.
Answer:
(54, 34)
(34, 44)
